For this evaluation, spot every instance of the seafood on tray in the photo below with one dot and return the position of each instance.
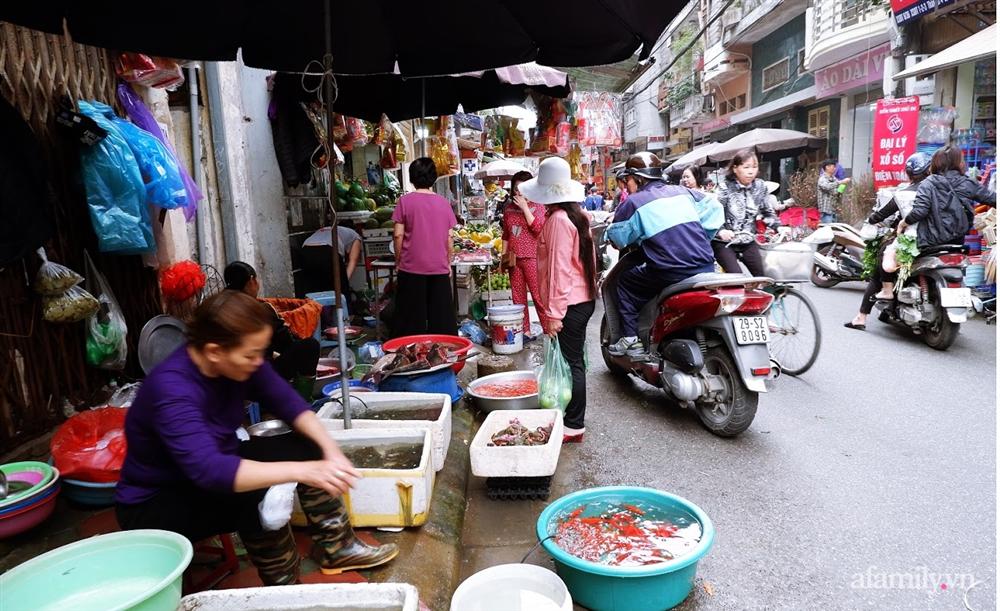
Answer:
(410, 358)
(516, 434)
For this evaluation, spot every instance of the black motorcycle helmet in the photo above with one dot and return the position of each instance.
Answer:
(918, 166)
(644, 167)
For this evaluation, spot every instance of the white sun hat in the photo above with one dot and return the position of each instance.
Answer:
(553, 185)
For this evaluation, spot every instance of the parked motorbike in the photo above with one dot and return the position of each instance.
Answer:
(707, 344)
(934, 301)
(839, 251)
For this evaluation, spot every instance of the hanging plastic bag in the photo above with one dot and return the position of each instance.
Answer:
(160, 172)
(72, 306)
(157, 72)
(555, 383)
(90, 446)
(53, 279)
(116, 193)
(106, 328)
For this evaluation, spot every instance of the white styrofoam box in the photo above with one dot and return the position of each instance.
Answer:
(440, 428)
(517, 461)
(315, 597)
(390, 497)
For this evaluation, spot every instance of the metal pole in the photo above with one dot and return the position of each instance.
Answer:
(345, 389)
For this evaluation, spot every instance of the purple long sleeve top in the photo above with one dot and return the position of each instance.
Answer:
(181, 427)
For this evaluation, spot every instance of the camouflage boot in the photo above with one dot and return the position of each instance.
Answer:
(274, 554)
(337, 549)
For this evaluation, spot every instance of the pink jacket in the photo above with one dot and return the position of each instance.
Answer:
(561, 279)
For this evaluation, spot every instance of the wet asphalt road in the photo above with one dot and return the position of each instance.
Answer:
(869, 482)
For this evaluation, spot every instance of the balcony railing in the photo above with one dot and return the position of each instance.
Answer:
(830, 17)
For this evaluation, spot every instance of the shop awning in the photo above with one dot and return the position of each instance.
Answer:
(980, 45)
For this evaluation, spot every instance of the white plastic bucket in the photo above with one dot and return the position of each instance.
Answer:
(507, 328)
(512, 587)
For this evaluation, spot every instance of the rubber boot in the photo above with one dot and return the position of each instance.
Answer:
(304, 386)
(337, 549)
(274, 554)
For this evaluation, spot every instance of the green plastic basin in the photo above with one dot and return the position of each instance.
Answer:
(136, 569)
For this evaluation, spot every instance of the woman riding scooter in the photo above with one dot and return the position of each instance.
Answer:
(917, 168)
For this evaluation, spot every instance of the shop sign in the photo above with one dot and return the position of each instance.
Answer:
(715, 124)
(603, 113)
(857, 71)
(905, 11)
(895, 139)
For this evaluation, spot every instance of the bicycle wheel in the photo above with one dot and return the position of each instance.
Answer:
(795, 331)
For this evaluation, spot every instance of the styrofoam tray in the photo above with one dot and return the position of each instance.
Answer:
(517, 461)
(390, 497)
(314, 597)
(440, 428)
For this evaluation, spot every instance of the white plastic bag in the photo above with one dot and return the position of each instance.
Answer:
(276, 508)
(106, 328)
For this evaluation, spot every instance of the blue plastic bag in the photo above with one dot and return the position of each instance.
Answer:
(164, 187)
(116, 193)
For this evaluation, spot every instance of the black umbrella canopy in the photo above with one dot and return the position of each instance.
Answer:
(368, 97)
(432, 37)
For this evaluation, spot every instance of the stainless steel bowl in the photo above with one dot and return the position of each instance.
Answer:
(269, 428)
(489, 404)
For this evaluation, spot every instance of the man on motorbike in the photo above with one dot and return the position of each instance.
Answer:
(673, 225)
(918, 166)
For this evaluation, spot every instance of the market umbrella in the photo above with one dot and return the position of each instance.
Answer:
(502, 168)
(434, 37)
(767, 142)
(401, 98)
(697, 156)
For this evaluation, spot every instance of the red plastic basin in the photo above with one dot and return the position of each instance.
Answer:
(458, 345)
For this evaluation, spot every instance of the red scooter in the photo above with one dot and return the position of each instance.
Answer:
(706, 340)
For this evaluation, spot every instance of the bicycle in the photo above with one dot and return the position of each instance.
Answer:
(796, 334)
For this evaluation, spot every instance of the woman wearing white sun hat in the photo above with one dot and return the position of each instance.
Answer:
(567, 276)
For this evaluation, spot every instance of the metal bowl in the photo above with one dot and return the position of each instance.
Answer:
(269, 428)
(489, 404)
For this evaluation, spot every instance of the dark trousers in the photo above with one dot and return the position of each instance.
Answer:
(729, 258)
(423, 305)
(572, 343)
(875, 282)
(638, 285)
(197, 513)
(299, 358)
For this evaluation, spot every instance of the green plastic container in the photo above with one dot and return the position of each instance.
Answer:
(601, 587)
(135, 569)
(35, 473)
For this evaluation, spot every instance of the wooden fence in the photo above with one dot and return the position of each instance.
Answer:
(42, 364)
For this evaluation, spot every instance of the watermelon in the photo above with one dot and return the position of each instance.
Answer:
(371, 223)
(357, 190)
(384, 213)
(388, 224)
(370, 204)
(341, 188)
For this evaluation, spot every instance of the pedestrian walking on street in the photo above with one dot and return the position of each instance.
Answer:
(423, 257)
(594, 201)
(567, 276)
(522, 225)
(828, 190)
(186, 471)
(743, 196)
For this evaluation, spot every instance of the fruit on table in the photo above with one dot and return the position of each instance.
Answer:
(357, 190)
(371, 223)
(384, 213)
(388, 224)
(370, 204)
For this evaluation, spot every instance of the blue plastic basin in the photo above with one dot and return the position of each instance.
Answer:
(90, 494)
(355, 385)
(601, 587)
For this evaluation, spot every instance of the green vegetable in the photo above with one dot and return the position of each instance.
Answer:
(357, 190)
(869, 261)
(906, 253)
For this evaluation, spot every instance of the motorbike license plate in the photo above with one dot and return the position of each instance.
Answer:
(956, 298)
(751, 330)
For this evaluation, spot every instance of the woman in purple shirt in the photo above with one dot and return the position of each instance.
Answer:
(423, 257)
(187, 472)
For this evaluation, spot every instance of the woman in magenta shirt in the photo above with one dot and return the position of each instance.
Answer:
(567, 277)
(423, 257)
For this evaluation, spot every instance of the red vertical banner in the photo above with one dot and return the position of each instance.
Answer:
(895, 139)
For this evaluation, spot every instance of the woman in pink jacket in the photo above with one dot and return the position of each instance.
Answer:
(567, 278)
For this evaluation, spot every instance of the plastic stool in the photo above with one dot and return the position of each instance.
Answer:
(229, 563)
